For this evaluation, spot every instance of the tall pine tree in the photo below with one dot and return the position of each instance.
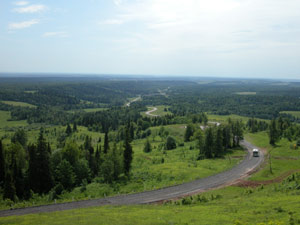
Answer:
(127, 153)
(2, 164)
(106, 144)
(44, 182)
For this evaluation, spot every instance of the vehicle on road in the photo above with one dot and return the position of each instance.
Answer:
(255, 152)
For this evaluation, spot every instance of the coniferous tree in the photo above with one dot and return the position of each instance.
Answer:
(44, 182)
(218, 147)
(9, 191)
(198, 137)
(33, 174)
(98, 160)
(117, 162)
(106, 143)
(74, 127)
(188, 132)
(2, 164)
(68, 130)
(209, 143)
(273, 132)
(147, 146)
(127, 153)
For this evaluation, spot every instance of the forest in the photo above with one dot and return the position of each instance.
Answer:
(78, 133)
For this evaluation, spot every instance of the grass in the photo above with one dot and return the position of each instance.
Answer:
(283, 158)
(272, 205)
(95, 109)
(293, 113)
(224, 118)
(21, 104)
(150, 171)
(246, 93)
(159, 112)
(6, 123)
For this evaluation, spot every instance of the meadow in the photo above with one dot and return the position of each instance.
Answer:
(20, 104)
(159, 112)
(293, 113)
(276, 203)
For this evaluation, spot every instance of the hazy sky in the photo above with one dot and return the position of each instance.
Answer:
(235, 38)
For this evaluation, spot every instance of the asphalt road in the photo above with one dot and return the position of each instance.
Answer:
(219, 180)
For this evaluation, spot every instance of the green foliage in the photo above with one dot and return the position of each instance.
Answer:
(189, 132)
(71, 153)
(274, 134)
(147, 146)
(128, 153)
(42, 179)
(68, 130)
(170, 143)
(65, 175)
(19, 137)
(2, 164)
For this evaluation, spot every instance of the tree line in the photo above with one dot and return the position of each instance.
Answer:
(35, 168)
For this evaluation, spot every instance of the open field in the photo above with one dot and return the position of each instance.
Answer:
(283, 159)
(21, 104)
(293, 113)
(159, 112)
(95, 109)
(5, 120)
(246, 93)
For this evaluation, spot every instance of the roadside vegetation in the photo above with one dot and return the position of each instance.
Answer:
(72, 140)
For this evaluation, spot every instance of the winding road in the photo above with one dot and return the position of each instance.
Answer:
(149, 113)
(242, 170)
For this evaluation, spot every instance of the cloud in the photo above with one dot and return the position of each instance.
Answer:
(22, 25)
(118, 2)
(61, 34)
(30, 9)
(21, 3)
(207, 26)
(112, 22)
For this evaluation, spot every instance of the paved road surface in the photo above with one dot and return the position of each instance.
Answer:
(225, 178)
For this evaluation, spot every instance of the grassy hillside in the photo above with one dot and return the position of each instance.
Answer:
(244, 203)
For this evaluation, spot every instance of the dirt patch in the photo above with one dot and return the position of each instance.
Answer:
(249, 183)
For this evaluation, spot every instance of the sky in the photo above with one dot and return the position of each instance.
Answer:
(219, 38)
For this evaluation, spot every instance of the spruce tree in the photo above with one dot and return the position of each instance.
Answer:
(147, 146)
(9, 191)
(106, 144)
(74, 127)
(198, 137)
(218, 147)
(68, 130)
(2, 164)
(32, 165)
(44, 182)
(127, 153)
(209, 143)
(273, 132)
